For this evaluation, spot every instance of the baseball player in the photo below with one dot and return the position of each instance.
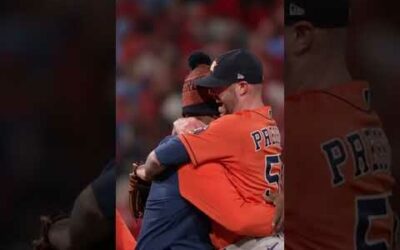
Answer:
(337, 155)
(171, 222)
(246, 142)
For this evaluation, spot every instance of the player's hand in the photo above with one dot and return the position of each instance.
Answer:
(277, 223)
(187, 125)
(139, 172)
(53, 233)
(133, 176)
(138, 190)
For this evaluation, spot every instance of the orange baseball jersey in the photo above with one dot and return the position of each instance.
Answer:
(124, 238)
(338, 179)
(247, 146)
(209, 189)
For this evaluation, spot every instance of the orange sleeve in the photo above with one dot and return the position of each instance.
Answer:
(209, 189)
(124, 238)
(211, 144)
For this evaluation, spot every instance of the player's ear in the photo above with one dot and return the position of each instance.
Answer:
(242, 88)
(304, 36)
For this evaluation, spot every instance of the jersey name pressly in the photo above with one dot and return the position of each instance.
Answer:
(247, 143)
(338, 178)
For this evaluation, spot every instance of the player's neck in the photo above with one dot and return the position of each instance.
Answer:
(249, 103)
(320, 74)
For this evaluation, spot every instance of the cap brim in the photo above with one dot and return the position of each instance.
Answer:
(210, 82)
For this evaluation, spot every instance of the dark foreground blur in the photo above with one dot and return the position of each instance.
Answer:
(374, 55)
(56, 108)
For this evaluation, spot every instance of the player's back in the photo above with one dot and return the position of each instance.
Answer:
(235, 162)
(247, 144)
(338, 178)
(256, 171)
(171, 222)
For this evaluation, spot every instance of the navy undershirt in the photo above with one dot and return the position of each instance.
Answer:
(171, 222)
(172, 152)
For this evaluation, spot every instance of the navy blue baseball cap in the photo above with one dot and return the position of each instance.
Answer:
(231, 67)
(321, 13)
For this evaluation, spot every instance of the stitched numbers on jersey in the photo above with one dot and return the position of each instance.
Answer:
(273, 165)
(265, 137)
(369, 209)
(369, 150)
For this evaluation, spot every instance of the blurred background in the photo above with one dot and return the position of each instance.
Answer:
(57, 114)
(153, 41)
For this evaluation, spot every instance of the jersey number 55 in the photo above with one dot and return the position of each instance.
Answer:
(273, 168)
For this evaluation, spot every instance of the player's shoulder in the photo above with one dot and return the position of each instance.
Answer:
(256, 117)
(264, 112)
(244, 120)
(229, 120)
(248, 115)
(224, 122)
(354, 95)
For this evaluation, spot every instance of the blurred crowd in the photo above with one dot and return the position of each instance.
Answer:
(153, 41)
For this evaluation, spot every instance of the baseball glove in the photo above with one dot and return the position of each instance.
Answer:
(138, 193)
(43, 243)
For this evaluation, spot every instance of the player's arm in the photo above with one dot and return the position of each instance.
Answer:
(209, 189)
(219, 142)
(167, 154)
(207, 146)
(249, 219)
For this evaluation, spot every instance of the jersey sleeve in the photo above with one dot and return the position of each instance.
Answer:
(211, 144)
(209, 189)
(172, 153)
